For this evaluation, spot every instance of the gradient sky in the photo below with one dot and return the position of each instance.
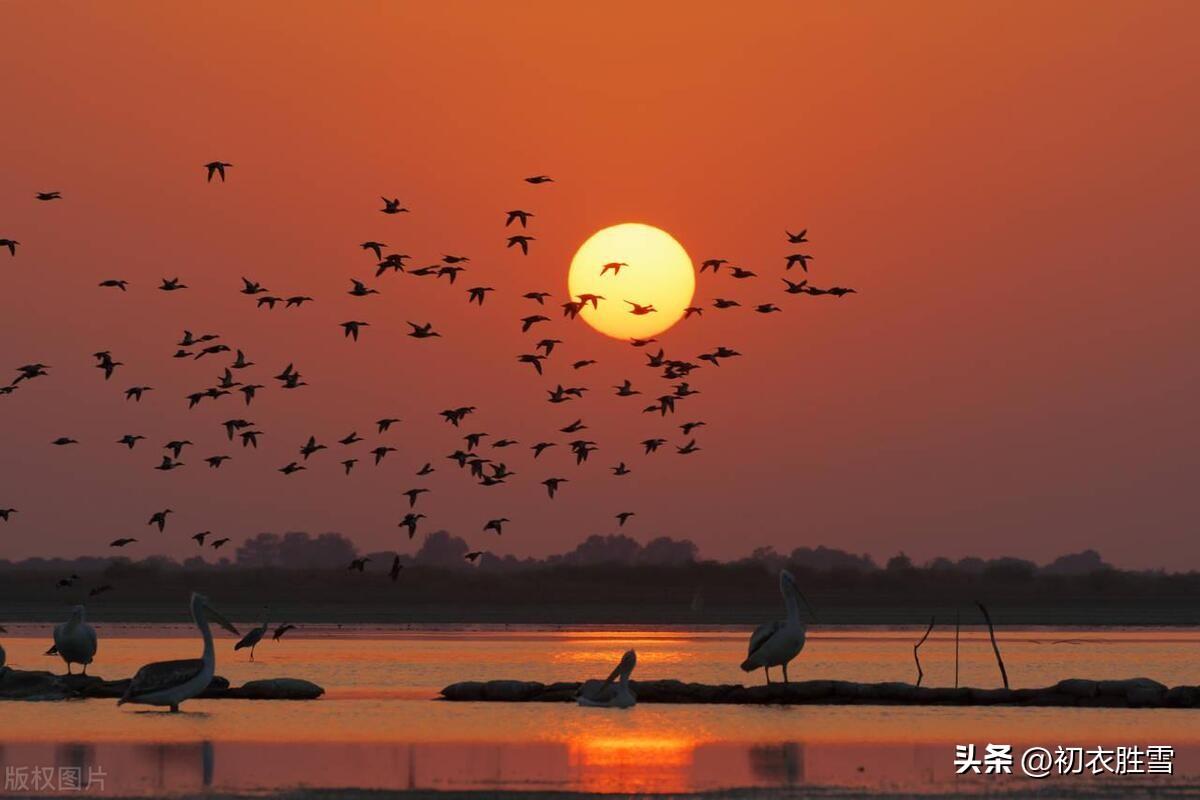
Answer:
(1012, 188)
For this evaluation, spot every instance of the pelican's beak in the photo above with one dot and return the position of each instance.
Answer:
(612, 677)
(220, 620)
(807, 605)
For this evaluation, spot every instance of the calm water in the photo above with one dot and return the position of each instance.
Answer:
(378, 726)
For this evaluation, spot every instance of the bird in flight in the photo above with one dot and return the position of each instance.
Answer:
(422, 331)
(640, 310)
(360, 289)
(410, 521)
(394, 572)
(217, 168)
(49, 195)
(742, 274)
(159, 518)
(352, 327)
(521, 241)
(219, 543)
(538, 297)
(623, 517)
(121, 542)
(537, 179)
(530, 321)
(474, 554)
(386, 423)
(713, 263)
(5, 513)
(172, 285)
(392, 206)
(799, 258)
(477, 293)
(797, 238)
(359, 564)
(767, 308)
(518, 215)
(375, 247)
(496, 525)
(614, 267)
(552, 485)
(115, 283)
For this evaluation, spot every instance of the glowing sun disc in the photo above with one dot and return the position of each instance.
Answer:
(656, 272)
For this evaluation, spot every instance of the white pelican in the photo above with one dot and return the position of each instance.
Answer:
(252, 638)
(602, 694)
(169, 683)
(774, 644)
(75, 640)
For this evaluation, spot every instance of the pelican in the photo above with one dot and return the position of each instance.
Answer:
(252, 638)
(774, 644)
(169, 683)
(75, 640)
(602, 694)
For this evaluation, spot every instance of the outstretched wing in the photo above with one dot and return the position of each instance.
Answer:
(162, 675)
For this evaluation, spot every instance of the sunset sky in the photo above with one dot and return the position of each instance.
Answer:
(1011, 188)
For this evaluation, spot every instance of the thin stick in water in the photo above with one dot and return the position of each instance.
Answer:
(917, 646)
(992, 632)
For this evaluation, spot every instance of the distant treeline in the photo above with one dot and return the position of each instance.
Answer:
(606, 580)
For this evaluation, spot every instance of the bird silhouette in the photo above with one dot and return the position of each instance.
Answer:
(797, 238)
(741, 274)
(121, 542)
(115, 283)
(348, 464)
(552, 485)
(199, 537)
(520, 241)
(799, 258)
(623, 517)
(214, 462)
(352, 328)
(386, 423)
(171, 285)
(422, 331)
(49, 195)
(532, 359)
(394, 572)
(713, 263)
(477, 293)
(358, 564)
(129, 440)
(538, 179)
(392, 206)
(640, 310)
(359, 289)
(538, 297)
(159, 518)
(530, 321)
(5, 513)
(219, 543)
(614, 267)
(517, 215)
(412, 495)
(380, 452)
(496, 525)
(723, 303)
(217, 168)
(375, 247)
(11, 244)
(767, 308)
(410, 521)
(281, 630)
(471, 556)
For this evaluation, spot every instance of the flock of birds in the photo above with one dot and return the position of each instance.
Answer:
(170, 683)
(75, 640)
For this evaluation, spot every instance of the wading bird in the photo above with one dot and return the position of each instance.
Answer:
(774, 644)
(252, 638)
(603, 694)
(169, 683)
(75, 640)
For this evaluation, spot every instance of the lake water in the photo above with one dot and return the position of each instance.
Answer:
(379, 726)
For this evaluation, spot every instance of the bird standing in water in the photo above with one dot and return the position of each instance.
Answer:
(774, 644)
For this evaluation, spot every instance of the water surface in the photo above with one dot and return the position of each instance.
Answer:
(379, 727)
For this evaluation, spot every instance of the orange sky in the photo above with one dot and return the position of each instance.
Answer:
(1011, 187)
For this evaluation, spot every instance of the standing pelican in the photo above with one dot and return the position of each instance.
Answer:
(774, 644)
(602, 694)
(75, 640)
(169, 683)
(252, 638)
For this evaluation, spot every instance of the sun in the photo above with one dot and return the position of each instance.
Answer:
(635, 268)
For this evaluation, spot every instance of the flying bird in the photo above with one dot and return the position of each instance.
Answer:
(11, 244)
(375, 247)
(351, 329)
(422, 331)
(623, 517)
(217, 168)
(640, 310)
(520, 241)
(517, 215)
(115, 283)
(49, 195)
(798, 258)
(552, 485)
(121, 542)
(159, 518)
(537, 179)
(614, 267)
(392, 206)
